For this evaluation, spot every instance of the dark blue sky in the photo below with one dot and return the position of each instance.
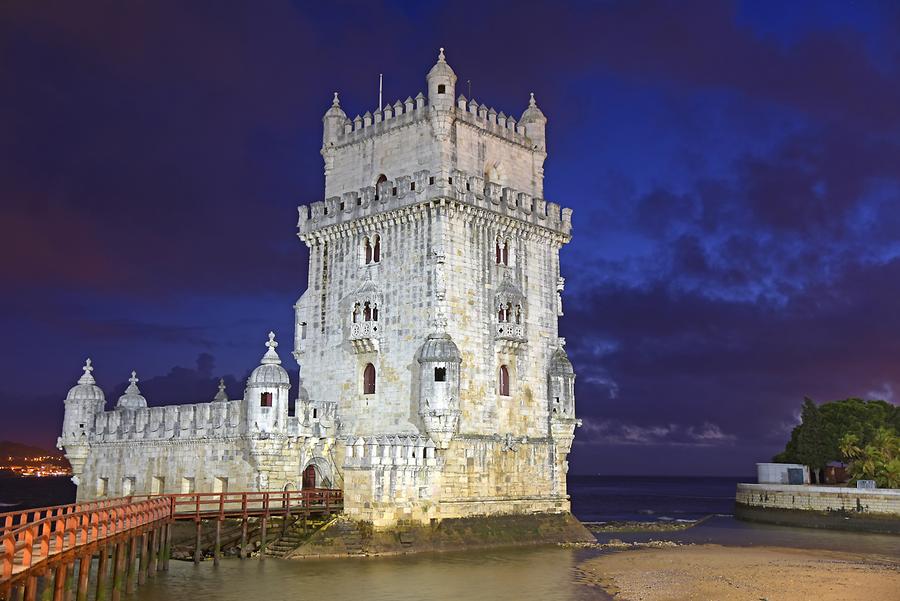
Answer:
(734, 170)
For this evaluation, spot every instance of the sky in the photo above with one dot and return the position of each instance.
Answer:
(734, 171)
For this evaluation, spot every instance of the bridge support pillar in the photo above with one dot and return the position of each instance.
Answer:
(262, 537)
(84, 571)
(142, 570)
(102, 574)
(130, 571)
(118, 571)
(217, 549)
(197, 550)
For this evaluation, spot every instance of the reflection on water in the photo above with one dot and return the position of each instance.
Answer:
(540, 574)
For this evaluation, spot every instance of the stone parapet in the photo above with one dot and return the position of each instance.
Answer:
(424, 186)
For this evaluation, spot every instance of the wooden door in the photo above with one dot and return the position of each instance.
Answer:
(309, 477)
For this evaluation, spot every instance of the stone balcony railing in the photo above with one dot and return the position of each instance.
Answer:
(364, 336)
(510, 331)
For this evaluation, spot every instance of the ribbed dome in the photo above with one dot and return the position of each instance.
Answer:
(560, 364)
(532, 113)
(270, 372)
(441, 69)
(335, 109)
(132, 399)
(440, 348)
(268, 375)
(86, 389)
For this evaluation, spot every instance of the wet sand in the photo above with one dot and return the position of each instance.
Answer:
(707, 572)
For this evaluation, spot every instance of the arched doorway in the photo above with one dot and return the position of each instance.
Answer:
(310, 477)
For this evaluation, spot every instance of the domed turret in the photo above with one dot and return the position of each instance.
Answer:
(266, 394)
(441, 84)
(535, 124)
(333, 122)
(132, 399)
(84, 401)
(561, 386)
(439, 360)
(86, 389)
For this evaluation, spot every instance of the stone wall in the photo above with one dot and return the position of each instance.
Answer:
(820, 498)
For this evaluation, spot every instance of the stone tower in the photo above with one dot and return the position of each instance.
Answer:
(430, 315)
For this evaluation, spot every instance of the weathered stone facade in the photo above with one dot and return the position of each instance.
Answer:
(434, 382)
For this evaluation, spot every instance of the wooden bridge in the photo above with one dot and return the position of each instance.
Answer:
(50, 549)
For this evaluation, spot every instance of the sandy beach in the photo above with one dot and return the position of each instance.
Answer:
(713, 572)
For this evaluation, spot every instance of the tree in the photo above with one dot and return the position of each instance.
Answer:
(819, 437)
(877, 460)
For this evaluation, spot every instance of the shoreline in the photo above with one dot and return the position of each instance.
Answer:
(742, 573)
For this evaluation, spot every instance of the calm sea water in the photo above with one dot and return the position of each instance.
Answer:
(529, 574)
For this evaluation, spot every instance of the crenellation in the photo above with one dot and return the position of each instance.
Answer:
(468, 188)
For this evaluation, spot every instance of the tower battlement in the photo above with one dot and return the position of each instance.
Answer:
(422, 187)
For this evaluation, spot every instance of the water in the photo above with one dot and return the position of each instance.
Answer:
(24, 493)
(529, 574)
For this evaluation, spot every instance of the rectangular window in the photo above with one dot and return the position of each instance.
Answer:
(188, 486)
(127, 487)
(102, 487)
(440, 374)
(220, 485)
(265, 399)
(157, 485)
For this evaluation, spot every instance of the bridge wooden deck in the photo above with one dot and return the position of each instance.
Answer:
(44, 548)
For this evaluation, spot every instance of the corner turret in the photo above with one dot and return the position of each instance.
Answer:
(266, 394)
(535, 124)
(441, 84)
(83, 403)
(333, 123)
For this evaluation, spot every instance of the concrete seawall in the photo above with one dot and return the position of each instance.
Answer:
(820, 507)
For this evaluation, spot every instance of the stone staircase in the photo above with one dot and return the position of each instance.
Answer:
(349, 534)
(285, 544)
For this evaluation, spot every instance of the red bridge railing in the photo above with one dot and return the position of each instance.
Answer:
(40, 547)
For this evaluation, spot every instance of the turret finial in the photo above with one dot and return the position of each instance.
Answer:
(441, 56)
(531, 101)
(335, 102)
(271, 356)
(221, 395)
(133, 379)
(87, 377)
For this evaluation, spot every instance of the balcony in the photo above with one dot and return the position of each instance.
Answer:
(510, 334)
(364, 336)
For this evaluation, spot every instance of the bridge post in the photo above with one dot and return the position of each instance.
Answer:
(31, 585)
(84, 571)
(154, 550)
(102, 573)
(130, 572)
(262, 537)
(197, 543)
(243, 550)
(70, 580)
(142, 570)
(167, 545)
(118, 571)
(59, 583)
(217, 549)
(46, 580)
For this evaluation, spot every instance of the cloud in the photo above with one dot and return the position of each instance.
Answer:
(617, 433)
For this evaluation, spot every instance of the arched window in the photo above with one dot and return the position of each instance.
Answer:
(376, 249)
(367, 312)
(375, 313)
(371, 250)
(506, 252)
(498, 252)
(501, 315)
(503, 381)
(368, 250)
(381, 178)
(518, 313)
(369, 379)
(355, 312)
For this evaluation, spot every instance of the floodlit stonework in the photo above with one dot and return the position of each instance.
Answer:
(434, 383)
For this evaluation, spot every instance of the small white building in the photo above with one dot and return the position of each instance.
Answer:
(434, 381)
(782, 473)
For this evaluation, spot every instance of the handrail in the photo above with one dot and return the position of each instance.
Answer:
(70, 530)
(12, 518)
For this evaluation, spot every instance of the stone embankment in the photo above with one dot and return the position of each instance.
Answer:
(875, 510)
